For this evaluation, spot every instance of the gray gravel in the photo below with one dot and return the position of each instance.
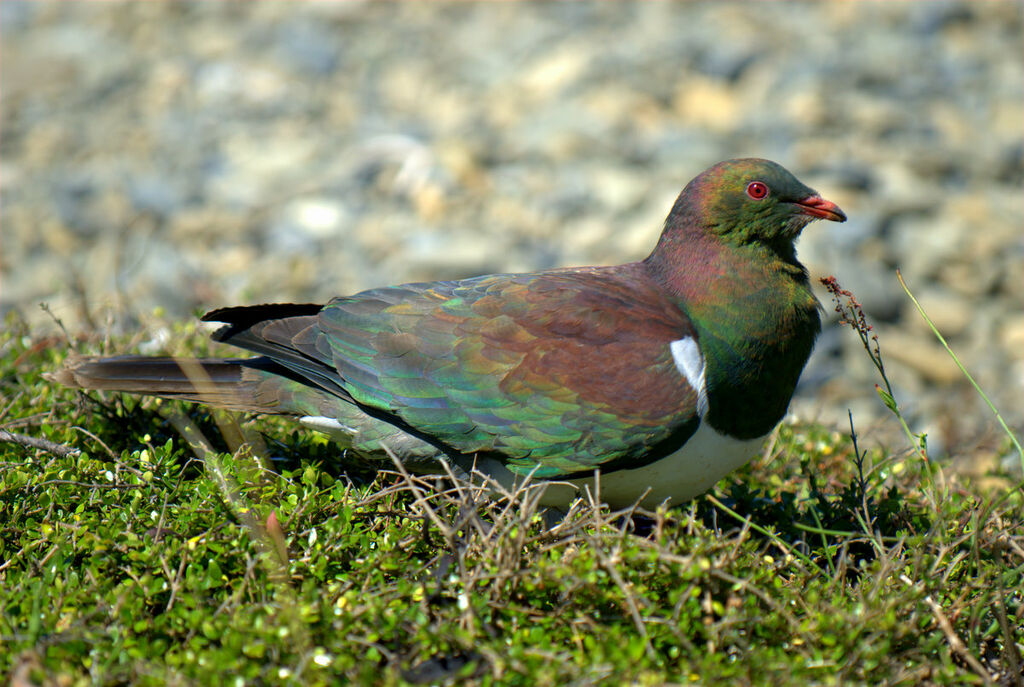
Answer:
(184, 156)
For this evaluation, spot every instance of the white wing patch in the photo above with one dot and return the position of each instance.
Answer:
(690, 364)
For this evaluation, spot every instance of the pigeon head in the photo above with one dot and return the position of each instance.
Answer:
(747, 201)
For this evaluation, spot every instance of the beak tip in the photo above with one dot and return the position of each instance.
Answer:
(819, 208)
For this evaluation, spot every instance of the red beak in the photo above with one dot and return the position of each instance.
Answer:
(816, 206)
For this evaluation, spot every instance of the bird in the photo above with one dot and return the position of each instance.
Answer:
(645, 382)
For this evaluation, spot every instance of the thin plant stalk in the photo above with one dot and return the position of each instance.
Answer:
(851, 313)
(984, 396)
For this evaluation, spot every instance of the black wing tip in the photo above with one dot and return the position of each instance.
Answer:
(252, 314)
(241, 317)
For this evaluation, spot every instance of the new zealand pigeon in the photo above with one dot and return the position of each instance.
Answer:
(663, 374)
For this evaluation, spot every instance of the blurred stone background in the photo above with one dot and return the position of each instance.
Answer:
(183, 156)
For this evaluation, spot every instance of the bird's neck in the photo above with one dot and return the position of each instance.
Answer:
(756, 321)
(707, 272)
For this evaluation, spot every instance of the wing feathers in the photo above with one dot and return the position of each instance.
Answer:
(567, 369)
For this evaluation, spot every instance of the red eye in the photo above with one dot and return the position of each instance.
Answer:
(757, 190)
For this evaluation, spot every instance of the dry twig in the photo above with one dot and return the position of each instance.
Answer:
(41, 444)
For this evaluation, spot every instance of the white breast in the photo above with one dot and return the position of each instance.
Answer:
(706, 458)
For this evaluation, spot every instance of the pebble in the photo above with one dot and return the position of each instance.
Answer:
(921, 354)
(950, 312)
(1011, 336)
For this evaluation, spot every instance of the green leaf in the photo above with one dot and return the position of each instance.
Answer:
(887, 398)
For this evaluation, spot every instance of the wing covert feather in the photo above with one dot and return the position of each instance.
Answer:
(565, 370)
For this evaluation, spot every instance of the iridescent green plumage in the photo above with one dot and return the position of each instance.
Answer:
(547, 370)
(743, 288)
(553, 373)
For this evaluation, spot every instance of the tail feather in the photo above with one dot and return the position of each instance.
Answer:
(245, 384)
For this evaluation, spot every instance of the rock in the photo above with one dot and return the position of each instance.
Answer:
(309, 46)
(1011, 337)
(708, 103)
(617, 189)
(551, 72)
(304, 223)
(726, 61)
(924, 246)
(155, 193)
(920, 354)
(15, 15)
(950, 312)
(874, 285)
(223, 82)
